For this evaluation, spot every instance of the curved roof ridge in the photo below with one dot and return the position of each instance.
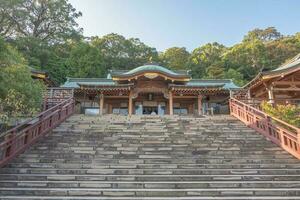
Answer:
(151, 67)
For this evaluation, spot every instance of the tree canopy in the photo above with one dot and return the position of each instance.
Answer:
(45, 35)
(175, 58)
(47, 20)
(20, 95)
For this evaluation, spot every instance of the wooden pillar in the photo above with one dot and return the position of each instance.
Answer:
(101, 104)
(271, 95)
(231, 94)
(170, 103)
(249, 96)
(199, 104)
(130, 104)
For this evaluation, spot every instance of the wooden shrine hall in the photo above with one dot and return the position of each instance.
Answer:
(150, 89)
(278, 86)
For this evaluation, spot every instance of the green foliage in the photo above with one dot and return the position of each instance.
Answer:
(85, 60)
(265, 35)
(204, 57)
(236, 77)
(47, 20)
(20, 95)
(14, 106)
(121, 53)
(247, 57)
(175, 58)
(47, 35)
(18, 78)
(287, 113)
(215, 71)
(9, 55)
(279, 51)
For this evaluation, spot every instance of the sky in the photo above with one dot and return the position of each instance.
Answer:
(186, 23)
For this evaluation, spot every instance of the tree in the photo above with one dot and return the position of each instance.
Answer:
(264, 35)
(9, 55)
(279, 51)
(248, 58)
(47, 20)
(85, 61)
(16, 82)
(175, 58)
(121, 53)
(215, 71)
(204, 57)
(236, 77)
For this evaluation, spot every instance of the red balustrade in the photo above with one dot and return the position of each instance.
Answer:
(17, 139)
(278, 131)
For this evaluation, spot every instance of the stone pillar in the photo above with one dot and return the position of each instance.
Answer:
(130, 104)
(199, 104)
(101, 104)
(170, 103)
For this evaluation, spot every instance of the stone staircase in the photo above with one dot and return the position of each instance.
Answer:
(152, 157)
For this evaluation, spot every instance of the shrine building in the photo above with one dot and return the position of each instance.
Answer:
(278, 86)
(150, 89)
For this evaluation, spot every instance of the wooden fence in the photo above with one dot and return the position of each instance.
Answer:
(278, 131)
(16, 140)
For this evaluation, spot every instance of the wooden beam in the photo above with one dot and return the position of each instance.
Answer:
(287, 89)
(184, 97)
(118, 97)
(286, 83)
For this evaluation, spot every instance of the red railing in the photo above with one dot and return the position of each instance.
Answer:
(278, 131)
(17, 139)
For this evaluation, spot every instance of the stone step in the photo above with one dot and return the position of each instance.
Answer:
(192, 160)
(152, 157)
(158, 166)
(146, 192)
(186, 171)
(150, 184)
(150, 198)
(142, 177)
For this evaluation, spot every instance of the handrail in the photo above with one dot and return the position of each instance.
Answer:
(281, 133)
(268, 116)
(19, 138)
(34, 118)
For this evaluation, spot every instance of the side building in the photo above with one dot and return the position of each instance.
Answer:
(150, 89)
(278, 86)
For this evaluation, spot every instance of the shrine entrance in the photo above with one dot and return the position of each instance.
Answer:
(155, 105)
(150, 110)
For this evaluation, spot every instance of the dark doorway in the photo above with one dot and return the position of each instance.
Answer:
(148, 110)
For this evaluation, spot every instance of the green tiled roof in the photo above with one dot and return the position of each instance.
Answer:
(151, 68)
(75, 82)
(224, 83)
